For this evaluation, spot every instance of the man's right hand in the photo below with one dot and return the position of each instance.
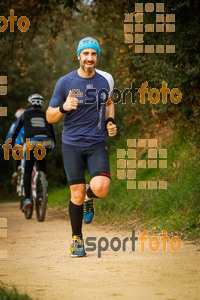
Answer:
(70, 102)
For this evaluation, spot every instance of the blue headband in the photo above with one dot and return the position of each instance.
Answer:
(87, 43)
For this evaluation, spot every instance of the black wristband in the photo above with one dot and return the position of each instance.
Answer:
(61, 109)
(110, 120)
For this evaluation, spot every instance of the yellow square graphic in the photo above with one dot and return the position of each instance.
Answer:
(128, 17)
(142, 185)
(170, 17)
(149, 7)
(159, 7)
(159, 27)
(160, 18)
(121, 174)
(3, 90)
(3, 222)
(162, 164)
(142, 164)
(131, 185)
(170, 28)
(142, 142)
(152, 163)
(138, 48)
(139, 17)
(162, 153)
(163, 185)
(121, 163)
(138, 27)
(138, 7)
(152, 185)
(149, 48)
(3, 254)
(3, 233)
(139, 38)
(131, 174)
(160, 49)
(149, 28)
(121, 153)
(170, 48)
(131, 153)
(128, 38)
(3, 79)
(131, 164)
(131, 143)
(152, 153)
(128, 27)
(3, 111)
(152, 143)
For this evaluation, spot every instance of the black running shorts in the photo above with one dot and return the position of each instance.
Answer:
(76, 158)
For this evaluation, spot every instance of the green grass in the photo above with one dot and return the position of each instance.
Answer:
(176, 209)
(59, 197)
(12, 294)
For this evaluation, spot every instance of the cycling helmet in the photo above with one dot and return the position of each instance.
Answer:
(19, 112)
(36, 99)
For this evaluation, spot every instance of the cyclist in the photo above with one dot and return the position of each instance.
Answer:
(38, 131)
(84, 96)
(19, 141)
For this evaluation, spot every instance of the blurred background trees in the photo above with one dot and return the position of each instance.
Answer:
(33, 61)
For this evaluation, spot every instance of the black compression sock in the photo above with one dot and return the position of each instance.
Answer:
(90, 193)
(76, 216)
(27, 185)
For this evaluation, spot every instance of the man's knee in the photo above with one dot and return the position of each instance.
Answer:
(100, 187)
(77, 194)
(101, 192)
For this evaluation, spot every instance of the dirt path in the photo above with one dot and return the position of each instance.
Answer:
(38, 263)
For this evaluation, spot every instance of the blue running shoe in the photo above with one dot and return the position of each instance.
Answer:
(26, 205)
(88, 209)
(77, 248)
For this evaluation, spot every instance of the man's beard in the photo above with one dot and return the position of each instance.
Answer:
(89, 70)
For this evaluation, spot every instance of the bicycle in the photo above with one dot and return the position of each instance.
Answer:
(38, 191)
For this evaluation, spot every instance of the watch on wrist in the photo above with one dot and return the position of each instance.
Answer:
(61, 109)
(110, 120)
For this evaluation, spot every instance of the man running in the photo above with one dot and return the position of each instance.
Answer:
(84, 96)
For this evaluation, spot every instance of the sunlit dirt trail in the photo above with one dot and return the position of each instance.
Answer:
(38, 263)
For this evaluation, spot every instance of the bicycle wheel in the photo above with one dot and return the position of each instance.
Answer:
(41, 199)
(20, 186)
(21, 202)
(28, 214)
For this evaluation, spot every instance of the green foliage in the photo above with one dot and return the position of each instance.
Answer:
(7, 294)
(59, 197)
(179, 70)
(174, 209)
